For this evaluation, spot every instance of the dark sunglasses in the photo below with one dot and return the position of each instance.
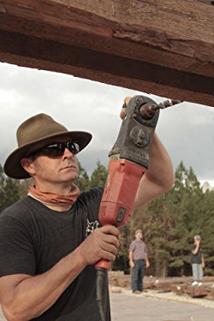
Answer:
(57, 149)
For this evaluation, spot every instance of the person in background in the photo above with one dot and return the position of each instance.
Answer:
(138, 261)
(197, 260)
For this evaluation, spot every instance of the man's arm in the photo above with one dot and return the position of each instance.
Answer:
(24, 297)
(146, 257)
(147, 261)
(197, 246)
(202, 262)
(159, 177)
(131, 261)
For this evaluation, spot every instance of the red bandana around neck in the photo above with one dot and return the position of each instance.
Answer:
(56, 199)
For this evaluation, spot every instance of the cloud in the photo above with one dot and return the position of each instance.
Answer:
(186, 130)
(188, 133)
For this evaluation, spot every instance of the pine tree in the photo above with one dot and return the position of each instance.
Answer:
(83, 181)
(9, 190)
(206, 224)
(99, 175)
(170, 222)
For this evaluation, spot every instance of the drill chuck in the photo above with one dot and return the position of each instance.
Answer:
(136, 131)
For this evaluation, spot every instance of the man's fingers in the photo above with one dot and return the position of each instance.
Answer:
(109, 248)
(103, 243)
(110, 229)
(127, 100)
(108, 256)
(112, 240)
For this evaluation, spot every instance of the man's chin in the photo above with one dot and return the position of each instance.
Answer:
(69, 178)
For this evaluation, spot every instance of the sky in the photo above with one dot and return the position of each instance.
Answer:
(186, 130)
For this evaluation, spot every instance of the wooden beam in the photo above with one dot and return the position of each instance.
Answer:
(164, 47)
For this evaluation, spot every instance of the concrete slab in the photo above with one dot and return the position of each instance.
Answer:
(128, 307)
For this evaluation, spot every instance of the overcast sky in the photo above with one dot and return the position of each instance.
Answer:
(187, 130)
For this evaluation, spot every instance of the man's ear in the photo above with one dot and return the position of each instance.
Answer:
(28, 165)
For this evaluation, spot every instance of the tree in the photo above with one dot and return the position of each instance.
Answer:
(206, 225)
(9, 190)
(83, 181)
(99, 175)
(170, 222)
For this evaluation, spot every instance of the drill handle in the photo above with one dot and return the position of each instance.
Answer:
(103, 265)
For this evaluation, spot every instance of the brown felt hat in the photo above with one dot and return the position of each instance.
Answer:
(35, 133)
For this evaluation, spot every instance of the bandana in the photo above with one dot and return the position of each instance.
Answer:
(63, 201)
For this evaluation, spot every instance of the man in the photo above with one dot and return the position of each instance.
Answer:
(197, 260)
(138, 258)
(47, 260)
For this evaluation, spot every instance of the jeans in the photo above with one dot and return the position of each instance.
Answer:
(137, 275)
(197, 272)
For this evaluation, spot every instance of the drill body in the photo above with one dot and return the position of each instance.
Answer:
(129, 159)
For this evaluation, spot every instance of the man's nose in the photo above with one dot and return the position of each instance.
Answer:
(68, 153)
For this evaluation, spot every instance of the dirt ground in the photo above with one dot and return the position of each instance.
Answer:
(181, 286)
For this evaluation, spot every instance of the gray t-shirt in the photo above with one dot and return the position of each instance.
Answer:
(139, 250)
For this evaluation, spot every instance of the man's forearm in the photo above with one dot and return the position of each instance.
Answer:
(146, 258)
(159, 177)
(131, 261)
(196, 249)
(36, 294)
(160, 169)
(202, 261)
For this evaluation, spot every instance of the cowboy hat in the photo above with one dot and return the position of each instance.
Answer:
(35, 133)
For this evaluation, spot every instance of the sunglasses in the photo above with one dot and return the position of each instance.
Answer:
(57, 149)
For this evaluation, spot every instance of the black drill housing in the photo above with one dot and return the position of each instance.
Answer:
(136, 132)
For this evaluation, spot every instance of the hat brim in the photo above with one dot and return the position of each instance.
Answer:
(13, 167)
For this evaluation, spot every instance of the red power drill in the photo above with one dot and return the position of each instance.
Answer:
(129, 159)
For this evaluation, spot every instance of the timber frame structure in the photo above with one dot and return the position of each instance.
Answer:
(163, 47)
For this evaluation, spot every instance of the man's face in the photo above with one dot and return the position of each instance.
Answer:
(139, 235)
(197, 240)
(54, 170)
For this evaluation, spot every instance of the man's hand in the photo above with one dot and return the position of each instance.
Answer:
(131, 264)
(197, 242)
(124, 107)
(102, 243)
(197, 246)
(147, 264)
